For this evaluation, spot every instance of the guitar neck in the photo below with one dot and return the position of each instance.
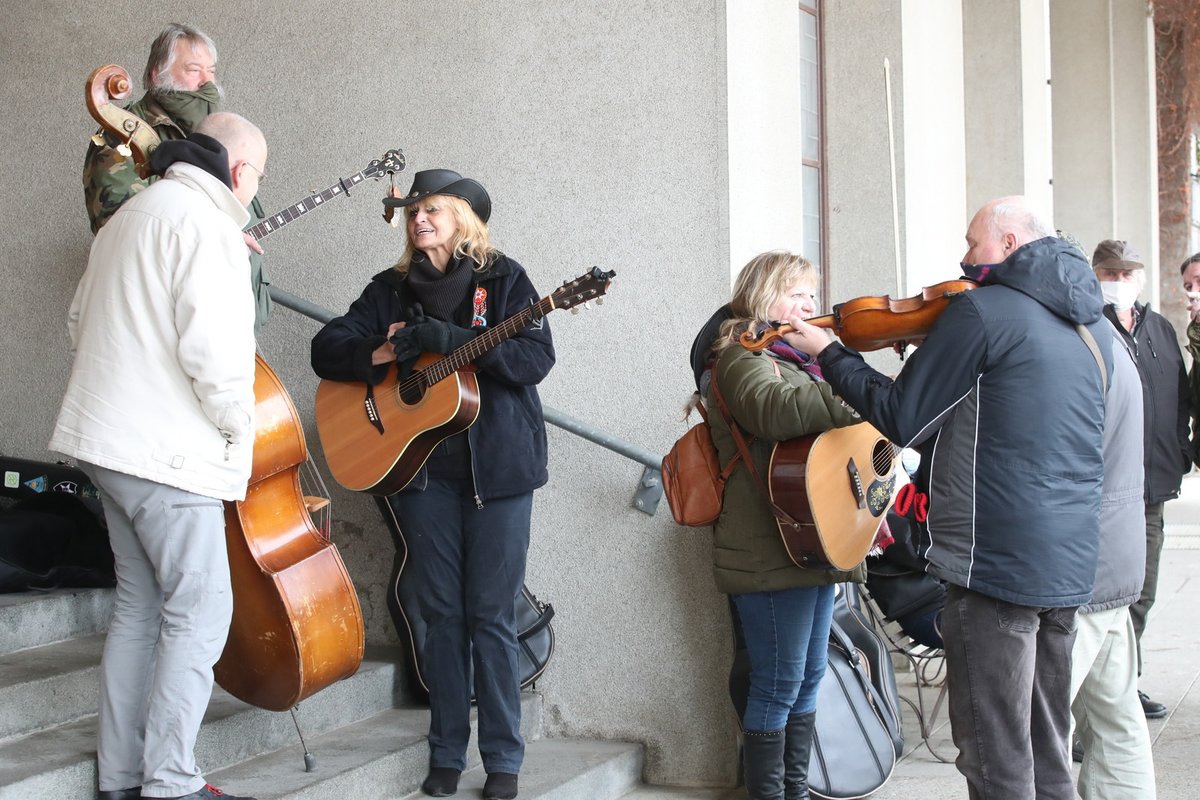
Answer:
(293, 212)
(482, 344)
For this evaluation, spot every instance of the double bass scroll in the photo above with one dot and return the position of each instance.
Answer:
(137, 138)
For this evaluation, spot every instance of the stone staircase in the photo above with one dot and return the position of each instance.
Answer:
(367, 739)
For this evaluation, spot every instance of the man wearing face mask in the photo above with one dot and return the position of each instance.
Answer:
(1165, 396)
(181, 90)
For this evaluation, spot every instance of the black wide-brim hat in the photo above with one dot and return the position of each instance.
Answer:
(445, 181)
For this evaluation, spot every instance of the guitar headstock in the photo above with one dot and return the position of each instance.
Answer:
(392, 162)
(591, 285)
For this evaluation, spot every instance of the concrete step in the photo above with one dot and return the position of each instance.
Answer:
(379, 758)
(47, 686)
(677, 793)
(32, 619)
(59, 761)
(567, 769)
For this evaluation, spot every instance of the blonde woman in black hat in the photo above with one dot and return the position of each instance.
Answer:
(466, 514)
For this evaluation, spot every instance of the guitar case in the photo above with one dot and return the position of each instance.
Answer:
(848, 613)
(853, 751)
(535, 635)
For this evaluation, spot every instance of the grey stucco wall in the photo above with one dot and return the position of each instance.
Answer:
(598, 129)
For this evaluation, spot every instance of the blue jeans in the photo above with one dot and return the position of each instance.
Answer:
(787, 637)
(1008, 669)
(469, 566)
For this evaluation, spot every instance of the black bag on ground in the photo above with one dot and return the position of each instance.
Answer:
(535, 636)
(53, 540)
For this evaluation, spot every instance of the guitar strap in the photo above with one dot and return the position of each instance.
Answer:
(744, 452)
(1090, 341)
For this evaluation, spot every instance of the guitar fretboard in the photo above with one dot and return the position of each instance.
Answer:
(481, 344)
(296, 211)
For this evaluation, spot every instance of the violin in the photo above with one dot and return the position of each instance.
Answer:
(137, 138)
(874, 322)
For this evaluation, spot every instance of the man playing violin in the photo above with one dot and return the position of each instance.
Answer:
(159, 412)
(181, 90)
(1005, 399)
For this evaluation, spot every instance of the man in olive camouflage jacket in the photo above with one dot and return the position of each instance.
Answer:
(181, 90)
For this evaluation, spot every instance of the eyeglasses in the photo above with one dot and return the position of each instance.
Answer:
(262, 176)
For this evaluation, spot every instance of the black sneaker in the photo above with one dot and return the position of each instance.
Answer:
(1151, 708)
(122, 794)
(441, 781)
(500, 786)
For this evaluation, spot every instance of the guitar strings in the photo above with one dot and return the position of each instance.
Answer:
(473, 349)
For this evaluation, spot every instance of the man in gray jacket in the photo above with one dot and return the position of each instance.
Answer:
(1109, 720)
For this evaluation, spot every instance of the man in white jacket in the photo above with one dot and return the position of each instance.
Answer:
(159, 412)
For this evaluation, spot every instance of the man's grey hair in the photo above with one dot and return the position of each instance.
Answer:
(1015, 214)
(162, 54)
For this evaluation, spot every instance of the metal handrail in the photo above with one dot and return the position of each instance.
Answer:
(649, 491)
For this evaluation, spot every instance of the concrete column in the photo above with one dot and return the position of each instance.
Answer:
(935, 143)
(763, 69)
(1105, 142)
(1007, 109)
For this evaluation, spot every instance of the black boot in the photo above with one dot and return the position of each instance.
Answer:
(796, 753)
(762, 753)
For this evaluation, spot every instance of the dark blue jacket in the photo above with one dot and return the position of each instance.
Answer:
(508, 440)
(1004, 400)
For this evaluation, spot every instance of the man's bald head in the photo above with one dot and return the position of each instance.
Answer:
(246, 145)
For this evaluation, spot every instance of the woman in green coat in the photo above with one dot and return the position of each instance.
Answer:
(785, 610)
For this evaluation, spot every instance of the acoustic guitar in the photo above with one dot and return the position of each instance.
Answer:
(837, 487)
(377, 438)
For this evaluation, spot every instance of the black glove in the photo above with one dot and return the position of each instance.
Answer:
(405, 344)
(435, 336)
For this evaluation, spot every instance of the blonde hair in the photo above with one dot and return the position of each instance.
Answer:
(763, 280)
(470, 239)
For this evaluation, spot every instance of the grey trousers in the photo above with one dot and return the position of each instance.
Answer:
(1009, 692)
(1117, 761)
(171, 616)
(1154, 545)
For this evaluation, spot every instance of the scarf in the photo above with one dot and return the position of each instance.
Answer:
(806, 362)
(188, 108)
(440, 293)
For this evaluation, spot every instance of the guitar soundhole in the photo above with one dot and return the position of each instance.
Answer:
(412, 389)
(883, 456)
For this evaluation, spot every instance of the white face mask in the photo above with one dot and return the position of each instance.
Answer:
(1120, 294)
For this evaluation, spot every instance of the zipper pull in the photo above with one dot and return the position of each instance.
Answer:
(478, 502)
(227, 446)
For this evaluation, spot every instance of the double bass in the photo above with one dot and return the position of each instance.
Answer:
(297, 626)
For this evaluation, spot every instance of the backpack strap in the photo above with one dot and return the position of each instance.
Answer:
(744, 452)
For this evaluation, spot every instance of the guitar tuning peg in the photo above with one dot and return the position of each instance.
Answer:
(575, 310)
(599, 301)
(124, 150)
(98, 140)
